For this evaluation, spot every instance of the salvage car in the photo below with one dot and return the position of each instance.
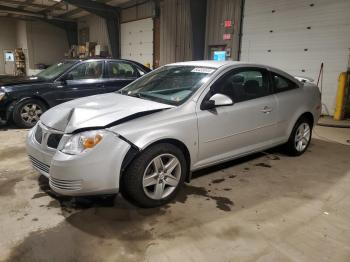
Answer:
(25, 99)
(146, 139)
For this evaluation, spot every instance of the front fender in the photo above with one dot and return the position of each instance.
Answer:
(142, 135)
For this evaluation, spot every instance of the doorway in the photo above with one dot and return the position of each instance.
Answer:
(9, 57)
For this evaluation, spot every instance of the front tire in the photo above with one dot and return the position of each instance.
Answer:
(154, 178)
(300, 137)
(27, 112)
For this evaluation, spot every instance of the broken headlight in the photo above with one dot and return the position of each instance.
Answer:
(80, 142)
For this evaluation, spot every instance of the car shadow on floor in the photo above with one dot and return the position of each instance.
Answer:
(69, 204)
(6, 127)
(95, 228)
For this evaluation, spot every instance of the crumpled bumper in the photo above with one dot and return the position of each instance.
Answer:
(95, 171)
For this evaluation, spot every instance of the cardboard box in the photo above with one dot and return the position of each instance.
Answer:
(101, 50)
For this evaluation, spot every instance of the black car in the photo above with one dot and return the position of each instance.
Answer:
(24, 100)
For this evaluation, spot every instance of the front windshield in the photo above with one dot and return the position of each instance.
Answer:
(169, 84)
(55, 70)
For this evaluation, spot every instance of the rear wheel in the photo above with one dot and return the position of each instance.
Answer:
(154, 178)
(300, 137)
(26, 113)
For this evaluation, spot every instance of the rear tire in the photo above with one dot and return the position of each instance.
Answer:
(27, 112)
(154, 178)
(300, 137)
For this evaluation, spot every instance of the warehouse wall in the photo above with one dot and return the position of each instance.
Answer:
(21, 34)
(298, 36)
(7, 39)
(175, 31)
(136, 10)
(40, 41)
(22, 41)
(46, 43)
(217, 12)
(97, 29)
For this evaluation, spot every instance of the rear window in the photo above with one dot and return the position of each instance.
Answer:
(282, 84)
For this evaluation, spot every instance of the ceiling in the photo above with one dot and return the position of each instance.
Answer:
(29, 9)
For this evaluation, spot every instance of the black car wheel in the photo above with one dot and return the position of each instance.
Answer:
(26, 113)
(154, 178)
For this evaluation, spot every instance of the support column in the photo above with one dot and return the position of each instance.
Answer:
(71, 29)
(111, 15)
(198, 10)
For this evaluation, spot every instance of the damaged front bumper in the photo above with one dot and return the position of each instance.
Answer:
(92, 172)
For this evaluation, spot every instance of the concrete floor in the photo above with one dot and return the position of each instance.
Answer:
(267, 207)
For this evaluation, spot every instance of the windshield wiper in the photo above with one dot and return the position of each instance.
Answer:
(143, 96)
(121, 92)
(138, 95)
(124, 92)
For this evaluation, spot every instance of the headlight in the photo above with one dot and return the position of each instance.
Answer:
(78, 143)
(2, 94)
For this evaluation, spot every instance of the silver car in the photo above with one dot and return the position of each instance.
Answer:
(146, 139)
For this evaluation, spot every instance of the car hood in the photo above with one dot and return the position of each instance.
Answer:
(98, 111)
(15, 80)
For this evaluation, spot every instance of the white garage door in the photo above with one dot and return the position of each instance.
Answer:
(137, 41)
(298, 36)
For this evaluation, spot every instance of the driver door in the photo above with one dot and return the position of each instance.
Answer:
(85, 79)
(245, 126)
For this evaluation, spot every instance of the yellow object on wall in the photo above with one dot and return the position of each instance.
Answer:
(339, 106)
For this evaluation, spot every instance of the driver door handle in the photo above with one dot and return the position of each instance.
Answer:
(266, 110)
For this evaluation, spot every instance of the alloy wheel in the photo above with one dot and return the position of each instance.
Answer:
(302, 137)
(161, 176)
(30, 113)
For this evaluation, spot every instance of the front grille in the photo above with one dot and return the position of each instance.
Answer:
(65, 184)
(38, 134)
(39, 165)
(54, 140)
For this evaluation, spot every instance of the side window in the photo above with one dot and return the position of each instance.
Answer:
(244, 84)
(141, 73)
(121, 70)
(88, 70)
(282, 84)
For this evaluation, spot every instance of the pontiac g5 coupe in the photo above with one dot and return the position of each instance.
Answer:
(147, 138)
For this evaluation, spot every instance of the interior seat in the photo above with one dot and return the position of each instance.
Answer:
(252, 88)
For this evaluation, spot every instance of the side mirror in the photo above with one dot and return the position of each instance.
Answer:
(215, 101)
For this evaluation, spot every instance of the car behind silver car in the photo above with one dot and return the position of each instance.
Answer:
(146, 139)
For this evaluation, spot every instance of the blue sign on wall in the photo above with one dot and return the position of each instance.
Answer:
(219, 55)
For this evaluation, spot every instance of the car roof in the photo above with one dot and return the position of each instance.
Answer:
(204, 63)
(214, 64)
(109, 59)
(225, 64)
(97, 59)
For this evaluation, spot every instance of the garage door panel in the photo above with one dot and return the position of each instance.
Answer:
(144, 48)
(255, 7)
(139, 37)
(287, 21)
(331, 36)
(137, 41)
(296, 61)
(293, 47)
